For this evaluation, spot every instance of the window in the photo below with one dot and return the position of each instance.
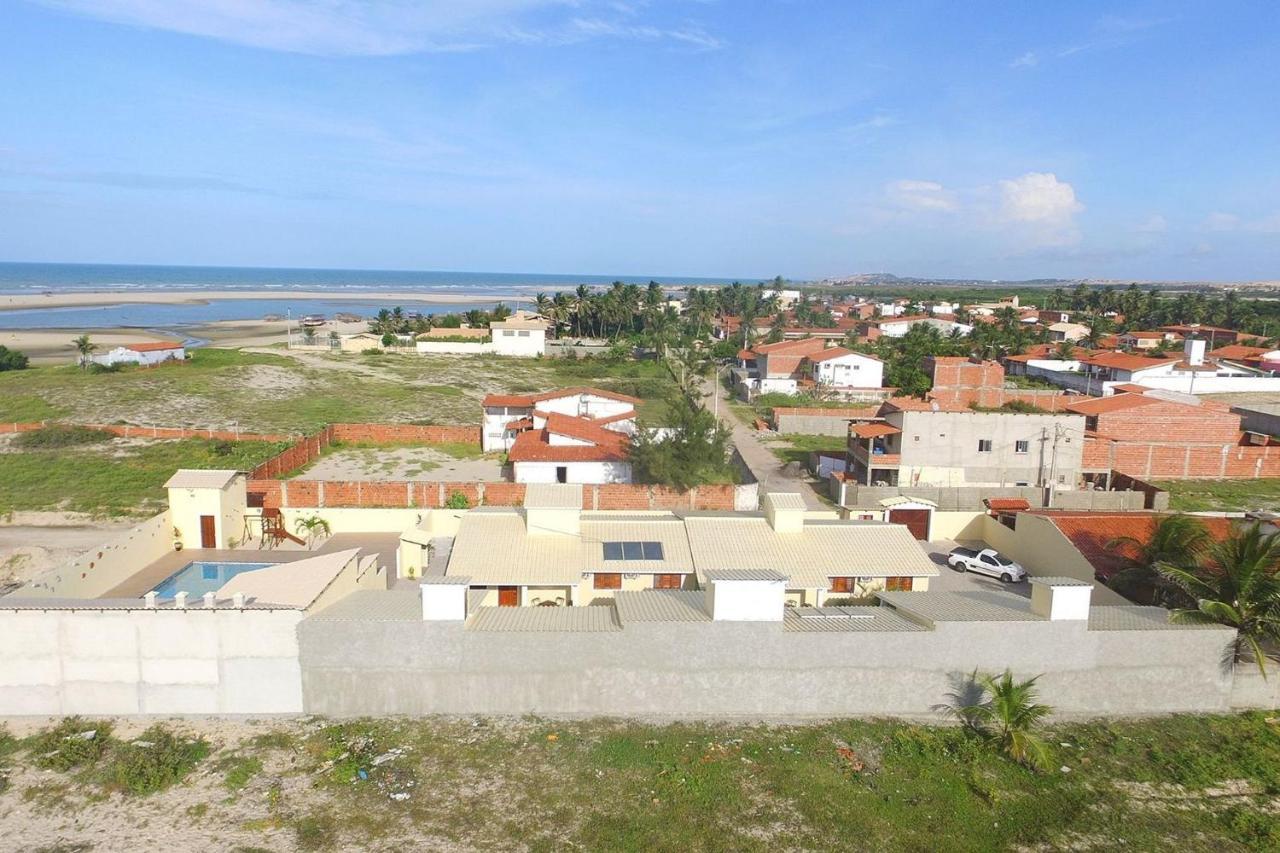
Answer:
(842, 584)
(607, 580)
(1021, 446)
(897, 584)
(984, 445)
(668, 581)
(522, 334)
(633, 551)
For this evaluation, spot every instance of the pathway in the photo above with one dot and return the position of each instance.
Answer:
(764, 465)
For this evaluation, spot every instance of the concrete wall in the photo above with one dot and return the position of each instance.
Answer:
(100, 569)
(454, 347)
(970, 497)
(684, 669)
(1263, 418)
(810, 421)
(577, 472)
(941, 448)
(169, 661)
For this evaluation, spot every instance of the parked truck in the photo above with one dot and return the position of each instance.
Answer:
(986, 561)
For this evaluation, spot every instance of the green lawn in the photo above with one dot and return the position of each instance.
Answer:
(1223, 495)
(118, 477)
(796, 448)
(266, 392)
(1173, 783)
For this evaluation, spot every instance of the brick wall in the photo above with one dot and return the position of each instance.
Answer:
(340, 493)
(1176, 423)
(405, 433)
(125, 431)
(947, 373)
(1163, 460)
(994, 397)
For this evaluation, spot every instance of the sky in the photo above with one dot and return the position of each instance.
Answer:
(803, 138)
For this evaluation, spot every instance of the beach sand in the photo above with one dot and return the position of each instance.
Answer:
(88, 299)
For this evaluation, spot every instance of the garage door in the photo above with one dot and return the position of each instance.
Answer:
(916, 520)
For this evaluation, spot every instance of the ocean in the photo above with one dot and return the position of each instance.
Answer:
(351, 290)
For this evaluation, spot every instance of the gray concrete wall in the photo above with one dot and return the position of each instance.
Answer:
(1261, 417)
(949, 440)
(747, 669)
(169, 661)
(970, 497)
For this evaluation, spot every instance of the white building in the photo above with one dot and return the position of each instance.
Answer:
(1065, 331)
(897, 327)
(147, 355)
(1098, 373)
(839, 368)
(556, 448)
(506, 414)
(522, 335)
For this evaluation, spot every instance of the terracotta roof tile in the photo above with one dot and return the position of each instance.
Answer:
(1007, 504)
(154, 346)
(1091, 531)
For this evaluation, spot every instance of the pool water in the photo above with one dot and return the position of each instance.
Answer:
(197, 578)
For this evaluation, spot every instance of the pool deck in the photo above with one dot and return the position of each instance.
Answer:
(153, 574)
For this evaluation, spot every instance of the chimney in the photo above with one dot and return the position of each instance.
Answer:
(1193, 351)
(745, 595)
(1061, 599)
(784, 511)
(553, 508)
(444, 598)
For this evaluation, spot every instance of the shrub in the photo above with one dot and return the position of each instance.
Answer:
(74, 742)
(95, 368)
(157, 759)
(47, 438)
(223, 448)
(11, 359)
(458, 500)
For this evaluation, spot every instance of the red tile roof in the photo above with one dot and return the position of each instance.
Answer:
(583, 429)
(534, 446)
(532, 399)
(1125, 361)
(1130, 388)
(1144, 336)
(800, 346)
(746, 355)
(1114, 403)
(1239, 352)
(156, 346)
(1007, 504)
(1090, 532)
(873, 430)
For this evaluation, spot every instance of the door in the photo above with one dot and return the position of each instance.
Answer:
(508, 596)
(916, 520)
(668, 581)
(897, 584)
(208, 535)
(562, 474)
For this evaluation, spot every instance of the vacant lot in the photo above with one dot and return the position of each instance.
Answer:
(796, 448)
(1179, 783)
(422, 462)
(1223, 495)
(263, 391)
(113, 476)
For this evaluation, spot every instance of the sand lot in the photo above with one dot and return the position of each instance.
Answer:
(424, 464)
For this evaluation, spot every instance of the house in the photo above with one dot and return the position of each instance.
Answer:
(897, 327)
(1146, 340)
(522, 335)
(553, 552)
(790, 366)
(1064, 331)
(1048, 317)
(838, 369)
(144, 354)
(1213, 334)
(922, 443)
(779, 365)
(550, 447)
(507, 416)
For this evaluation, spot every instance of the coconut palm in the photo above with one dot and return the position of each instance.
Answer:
(1238, 585)
(311, 527)
(85, 348)
(1178, 540)
(1008, 712)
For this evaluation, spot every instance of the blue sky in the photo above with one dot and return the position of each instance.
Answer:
(687, 137)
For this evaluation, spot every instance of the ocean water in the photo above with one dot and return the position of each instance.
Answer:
(352, 291)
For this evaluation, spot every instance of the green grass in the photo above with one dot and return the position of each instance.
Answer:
(1170, 783)
(117, 478)
(1222, 495)
(266, 392)
(796, 448)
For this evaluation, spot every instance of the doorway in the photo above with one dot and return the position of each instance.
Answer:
(508, 596)
(208, 532)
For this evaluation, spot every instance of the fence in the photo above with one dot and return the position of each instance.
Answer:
(1182, 461)
(125, 431)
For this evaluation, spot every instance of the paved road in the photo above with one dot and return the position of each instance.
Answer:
(764, 465)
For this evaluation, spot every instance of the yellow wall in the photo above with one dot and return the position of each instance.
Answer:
(1043, 550)
(106, 566)
(586, 592)
(957, 525)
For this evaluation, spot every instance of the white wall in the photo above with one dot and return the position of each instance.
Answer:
(121, 355)
(194, 661)
(521, 343)
(850, 371)
(454, 347)
(578, 472)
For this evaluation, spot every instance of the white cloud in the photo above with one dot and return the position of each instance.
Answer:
(1218, 221)
(1266, 225)
(921, 196)
(1153, 224)
(1041, 207)
(1027, 60)
(382, 27)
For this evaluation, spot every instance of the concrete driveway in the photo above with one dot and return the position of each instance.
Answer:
(952, 581)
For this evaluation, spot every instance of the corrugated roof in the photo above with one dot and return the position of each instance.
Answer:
(1051, 580)
(875, 430)
(976, 606)
(553, 496)
(822, 550)
(375, 605)
(899, 500)
(296, 584)
(155, 346)
(191, 478)
(1136, 618)
(784, 500)
(661, 605)
(768, 575)
(592, 619)
(847, 619)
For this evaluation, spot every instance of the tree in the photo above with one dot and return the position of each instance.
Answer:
(85, 348)
(1008, 712)
(312, 526)
(1066, 350)
(1178, 540)
(693, 450)
(1237, 585)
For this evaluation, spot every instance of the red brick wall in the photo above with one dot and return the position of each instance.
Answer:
(404, 433)
(964, 374)
(1177, 461)
(1174, 422)
(125, 431)
(1050, 401)
(335, 493)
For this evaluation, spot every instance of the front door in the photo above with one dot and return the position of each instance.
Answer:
(562, 474)
(208, 536)
(508, 596)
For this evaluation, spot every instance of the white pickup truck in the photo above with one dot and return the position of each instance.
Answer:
(986, 562)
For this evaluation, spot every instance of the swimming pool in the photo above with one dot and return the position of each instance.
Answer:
(195, 579)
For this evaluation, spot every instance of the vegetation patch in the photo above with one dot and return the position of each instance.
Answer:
(1221, 495)
(73, 744)
(58, 436)
(157, 759)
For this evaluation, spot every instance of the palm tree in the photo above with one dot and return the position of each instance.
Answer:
(85, 348)
(1238, 585)
(1008, 711)
(1066, 350)
(312, 526)
(1178, 540)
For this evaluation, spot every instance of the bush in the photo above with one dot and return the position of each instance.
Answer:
(458, 500)
(74, 742)
(223, 448)
(11, 359)
(50, 437)
(96, 368)
(157, 759)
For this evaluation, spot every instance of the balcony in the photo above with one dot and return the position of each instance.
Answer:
(877, 458)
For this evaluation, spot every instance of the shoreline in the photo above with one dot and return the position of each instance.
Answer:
(100, 298)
